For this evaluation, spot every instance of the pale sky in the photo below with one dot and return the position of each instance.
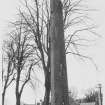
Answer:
(81, 76)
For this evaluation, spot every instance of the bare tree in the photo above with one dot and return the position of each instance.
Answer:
(8, 75)
(34, 24)
(36, 21)
(23, 58)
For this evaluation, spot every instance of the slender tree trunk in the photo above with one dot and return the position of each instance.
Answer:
(17, 99)
(17, 88)
(47, 96)
(5, 85)
(4, 90)
(59, 84)
(3, 96)
(47, 89)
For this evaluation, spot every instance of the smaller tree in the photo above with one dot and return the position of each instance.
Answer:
(8, 75)
(23, 59)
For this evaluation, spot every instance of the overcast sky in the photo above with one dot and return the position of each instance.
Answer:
(81, 76)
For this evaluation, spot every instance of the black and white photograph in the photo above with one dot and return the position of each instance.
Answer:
(52, 52)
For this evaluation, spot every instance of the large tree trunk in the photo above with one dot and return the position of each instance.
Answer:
(59, 84)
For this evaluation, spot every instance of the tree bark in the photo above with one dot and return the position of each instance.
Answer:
(59, 84)
(3, 97)
(47, 87)
(17, 88)
(4, 91)
(5, 84)
(17, 99)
